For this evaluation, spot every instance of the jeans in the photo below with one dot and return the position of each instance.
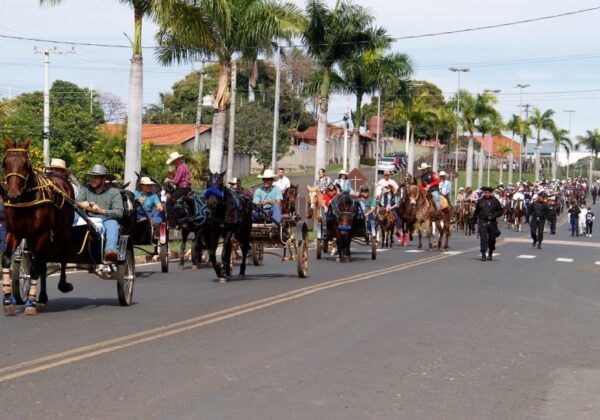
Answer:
(2, 237)
(274, 212)
(320, 225)
(397, 217)
(436, 199)
(371, 224)
(111, 227)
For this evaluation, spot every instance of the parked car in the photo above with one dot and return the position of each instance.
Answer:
(387, 164)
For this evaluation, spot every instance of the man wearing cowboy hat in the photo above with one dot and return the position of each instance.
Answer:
(445, 186)
(269, 196)
(58, 167)
(430, 182)
(343, 183)
(538, 212)
(384, 182)
(487, 211)
(104, 205)
(235, 185)
(182, 181)
(150, 203)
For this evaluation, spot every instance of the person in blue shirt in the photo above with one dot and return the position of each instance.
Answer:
(149, 200)
(343, 183)
(269, 196)
(445, 186)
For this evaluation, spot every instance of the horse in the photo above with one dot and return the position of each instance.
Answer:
(288, 204)
(407, 211)
(427, 215)
(466, 212)
(191, 215)
(386, 224)
(518, 214)
(341, 214)
(39, 210)
(315, 202)
(228, 215)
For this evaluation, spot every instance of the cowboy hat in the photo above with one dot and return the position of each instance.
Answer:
(342, 172)
(173, 157)
(234, 181)
(146, 181)
(461, 189)
(424, 166)
(56, 163)
(442, 173)
(98, 170)
(488, 189)
(267, 174)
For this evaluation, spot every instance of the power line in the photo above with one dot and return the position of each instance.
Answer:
(393, 39)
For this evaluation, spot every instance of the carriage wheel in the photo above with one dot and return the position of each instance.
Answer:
(325, 244)
(374, 249)
(126, 279)
(257, 254)
(164, 258)
(21, 277)
(319, 248)
(302, 259)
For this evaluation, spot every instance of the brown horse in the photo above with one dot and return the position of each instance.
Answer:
(38, 210)
(315, 204)
(386, 224)
(518, 214)
(288, 204)
(342, 219)
(427, 215)
(407, 211)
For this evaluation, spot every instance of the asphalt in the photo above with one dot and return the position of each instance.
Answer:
(411, 335)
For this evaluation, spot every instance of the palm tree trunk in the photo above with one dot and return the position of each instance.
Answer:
(231, 140)
(435, 152)
(470, 152)
(411, 154)
(538, 156)
(511, 161)
(555, 163)
(321, 152)
(481, 166)
(252, 80)
(501, 180)
(591, 171)
(221, 105)
(355, 150)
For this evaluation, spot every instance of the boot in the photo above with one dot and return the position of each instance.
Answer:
(483, 256)
(490, 254)
(539, 245)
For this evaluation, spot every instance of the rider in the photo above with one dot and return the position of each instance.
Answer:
(104, 205)
(369, 206)
(150, 203)
(487, 211)
(322, 181)
(342, 182)
(430, 182)
(385, 181)
(182, 182)
(390, 201)
(445, 186)
(235, 185)
(331, 194)
(283, 182)
(269, 196)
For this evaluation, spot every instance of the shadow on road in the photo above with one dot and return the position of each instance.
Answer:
(71, 304)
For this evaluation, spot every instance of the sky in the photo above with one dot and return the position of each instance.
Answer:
(558, 58)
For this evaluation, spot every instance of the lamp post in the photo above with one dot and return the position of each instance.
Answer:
(378, 129)
(490, 140)
(570, 111)
(459, 71)
(276, 107)
(521, 86)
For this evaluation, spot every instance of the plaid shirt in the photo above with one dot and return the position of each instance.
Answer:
(109, 199)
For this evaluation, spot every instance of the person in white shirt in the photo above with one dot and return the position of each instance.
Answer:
(282, 182)
(384, 182)
(582, 219)
(445, 185)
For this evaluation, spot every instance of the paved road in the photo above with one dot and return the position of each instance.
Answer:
(412, 335)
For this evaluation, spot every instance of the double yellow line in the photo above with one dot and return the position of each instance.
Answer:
(97, 349)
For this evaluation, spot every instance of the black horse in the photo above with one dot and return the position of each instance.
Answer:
(229, 215)
(342, 212)
(191, 215)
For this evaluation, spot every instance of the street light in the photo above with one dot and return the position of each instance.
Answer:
(521, 86)
(570, 111)
(490, 143)
(459, 71)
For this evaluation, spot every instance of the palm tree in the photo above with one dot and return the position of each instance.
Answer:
(364, 75)
(488, 122)
(503, 150)
(514, 125)
(440, 119)
(540, 121)
(133, 150)
(560, 140)
(591, 141)
(223, 29)
(331, 37)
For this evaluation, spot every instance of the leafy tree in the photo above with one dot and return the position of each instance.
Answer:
(591, 140)
(560, 140)
(540, 121)
(441, 119)
(503, 150)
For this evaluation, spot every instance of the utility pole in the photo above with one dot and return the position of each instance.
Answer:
(231, 144)
(570, 111)
(276, 108)
(46, 126)
(198, 109)
(521, 86)
(346, 126)
(526, 108)
(377, 147)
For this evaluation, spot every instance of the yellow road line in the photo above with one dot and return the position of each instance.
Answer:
(70, 356)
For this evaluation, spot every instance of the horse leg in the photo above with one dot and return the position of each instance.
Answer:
(340, 248)
(63, 285)
(226, 254)
(429, 232)
(196, 251)
(213, 243)
(9, 302)
(420, 246)
(184, 237)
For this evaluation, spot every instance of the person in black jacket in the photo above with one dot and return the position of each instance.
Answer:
(487, 212)
(553, 210)
(574, 211)
(538, 213)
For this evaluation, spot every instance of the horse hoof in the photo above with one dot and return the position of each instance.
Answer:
(222, 280)
(65, 288)
(10, 310)
(180, 267)
(241, 277)
(195, 267)
(337, 260)
(31, 310)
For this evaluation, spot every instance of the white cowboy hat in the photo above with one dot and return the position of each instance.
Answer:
(173, 157)
(342, 172)
(146, 181)
(234, 181)
(267, 174)
(56, 163)
(442, 173)
(424, 166)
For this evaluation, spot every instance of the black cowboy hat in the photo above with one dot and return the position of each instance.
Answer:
(488, 189)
